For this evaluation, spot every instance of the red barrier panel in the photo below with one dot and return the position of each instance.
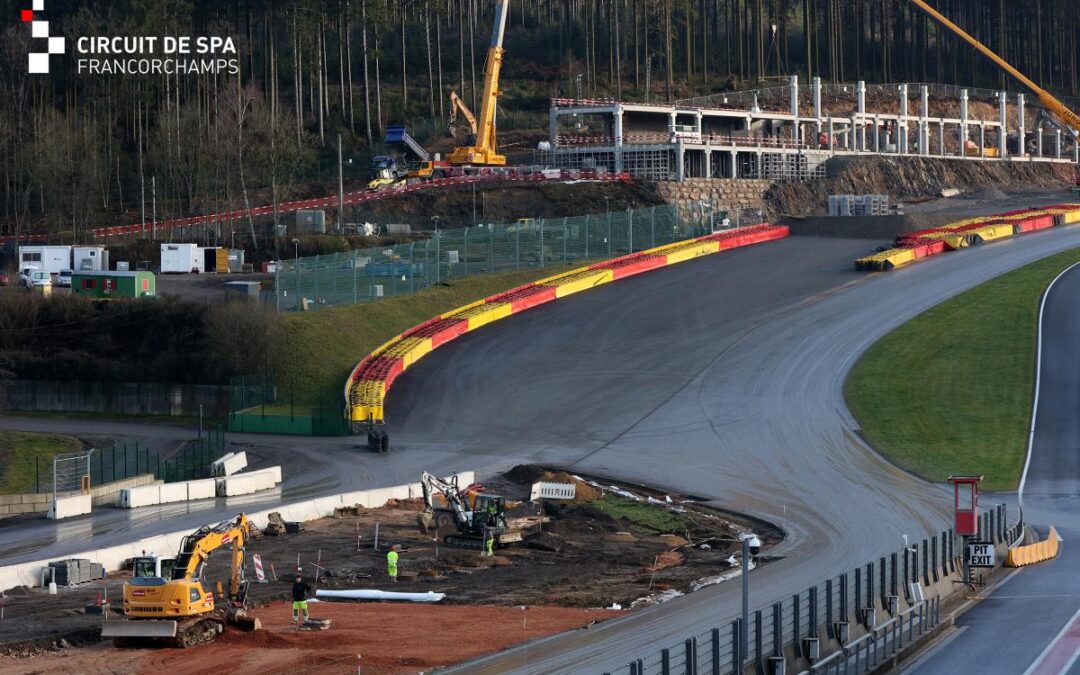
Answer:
(630, 265)
(383, 369)
(524, 297)
(439, 330)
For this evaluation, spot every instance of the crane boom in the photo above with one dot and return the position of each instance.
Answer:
(1055, 106)
(485, 151)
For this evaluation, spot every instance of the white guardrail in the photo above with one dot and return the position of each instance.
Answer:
(112, 557)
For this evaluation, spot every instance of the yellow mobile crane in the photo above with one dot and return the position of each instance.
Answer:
(484, 151)
(180, 611)
(1056, 107)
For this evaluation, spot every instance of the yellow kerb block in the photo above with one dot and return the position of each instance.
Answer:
(579, 281)
(483, 313)
(691, 251)
(409, 350)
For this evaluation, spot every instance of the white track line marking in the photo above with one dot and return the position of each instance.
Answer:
(1058, 663)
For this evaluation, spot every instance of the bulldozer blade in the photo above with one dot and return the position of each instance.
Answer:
(123, 628)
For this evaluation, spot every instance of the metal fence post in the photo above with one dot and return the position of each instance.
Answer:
(690, 656)
(757, 639)
(565, 234)
(829, 627)
(542, 256)
(778, 628)
(586, 236)
(354, 298)
(609, 234)
(736, 647)
(517, 246)
(665, 661)
(797, 634)
(630, 231)
(465, 256)
(811, 611)
(715, 651)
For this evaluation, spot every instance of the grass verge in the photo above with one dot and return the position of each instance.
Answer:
(22, 452)
(950, 391)
(319, 348)
(640, 516)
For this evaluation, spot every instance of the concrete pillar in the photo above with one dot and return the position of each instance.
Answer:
(1076, 148)
(708, 161)
(733, 172)
(941, 137)
(901, 123)
(1057, 143)
(671, 122)
(924, 122)
(832, 142)
(1021, 147)
(817, 105)
(877, 133)
(618, 130)
(860, 97)
(1038, 142)
(1003, 130)
(963, 121)
(853, 136)
(793, 91)
(698, 118)
(982, 139)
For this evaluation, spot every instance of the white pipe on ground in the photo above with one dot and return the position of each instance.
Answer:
(429, 596)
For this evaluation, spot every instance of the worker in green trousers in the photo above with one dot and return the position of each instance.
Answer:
(489, 541)
(392, 561)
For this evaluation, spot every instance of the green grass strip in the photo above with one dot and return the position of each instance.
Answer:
(20, 455)
(950, 391)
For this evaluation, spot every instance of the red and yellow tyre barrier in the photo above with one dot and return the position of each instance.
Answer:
(1035, 553)
(912, 246)
(371, 379)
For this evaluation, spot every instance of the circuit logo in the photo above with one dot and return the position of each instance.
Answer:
(38, 63)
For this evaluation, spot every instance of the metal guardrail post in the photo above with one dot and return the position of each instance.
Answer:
(858, 589)
(736, 646)
(757, 640)
(844, 611)
(812, 610)
(715, 651)
(830, 629)
(778, 629)
(933, 558)
(797, 632)
(665, 661)
(690, 647)
(892, 574)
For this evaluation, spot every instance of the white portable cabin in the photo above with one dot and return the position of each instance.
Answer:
(89, 259)
(181, 258)
(49, 259)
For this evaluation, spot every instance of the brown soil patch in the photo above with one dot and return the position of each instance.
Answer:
(383, 638)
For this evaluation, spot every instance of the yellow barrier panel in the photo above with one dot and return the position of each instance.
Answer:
(1035, 553)
(992, 232)
(691, 251)
(367, 400)
(956, 241)
(409, 350)
(579, 281)
(482, 313)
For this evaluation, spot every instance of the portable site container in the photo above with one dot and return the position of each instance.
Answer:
(215, 259)
(181, 258)
(49, 259)
(86, 258)
(102, 284)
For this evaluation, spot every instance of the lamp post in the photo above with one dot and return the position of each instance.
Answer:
(751, 546)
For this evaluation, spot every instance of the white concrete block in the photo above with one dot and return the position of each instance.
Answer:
(144, 495)
(173, 492)
(201, 489)
(66, 507)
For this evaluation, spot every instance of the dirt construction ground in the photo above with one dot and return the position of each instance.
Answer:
(613, 546)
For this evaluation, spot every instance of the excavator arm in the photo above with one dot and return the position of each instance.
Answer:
(456, 105)
(196, 548)
(1056, 107)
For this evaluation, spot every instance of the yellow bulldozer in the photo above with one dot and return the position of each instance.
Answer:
(166, 602)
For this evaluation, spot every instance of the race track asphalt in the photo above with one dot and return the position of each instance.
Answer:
(720, 377)
(1007, 631)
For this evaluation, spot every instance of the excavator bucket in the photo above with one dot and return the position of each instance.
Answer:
(122, 628)
(424, 521)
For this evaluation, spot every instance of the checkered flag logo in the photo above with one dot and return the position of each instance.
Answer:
(39, 61)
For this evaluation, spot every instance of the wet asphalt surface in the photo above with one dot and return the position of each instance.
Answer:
(721, 377)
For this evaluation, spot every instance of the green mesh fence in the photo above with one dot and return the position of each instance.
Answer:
(367, 274)
(255, 408)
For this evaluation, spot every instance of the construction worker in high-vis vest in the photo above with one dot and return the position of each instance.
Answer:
(489, 541)
(391, 562)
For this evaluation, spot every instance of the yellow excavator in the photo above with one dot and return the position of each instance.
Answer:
(1056, 107)
(484, 150)
(179, 611)
(456, 105)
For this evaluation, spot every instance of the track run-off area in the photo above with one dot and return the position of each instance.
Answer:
(721, 377)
